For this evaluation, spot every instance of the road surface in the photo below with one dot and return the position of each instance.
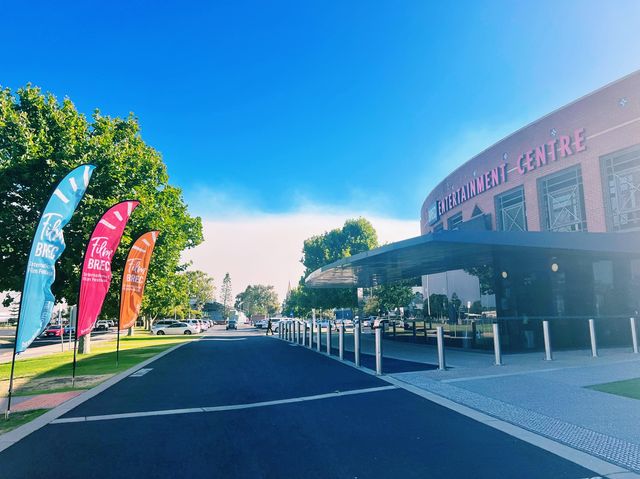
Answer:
(274, 411)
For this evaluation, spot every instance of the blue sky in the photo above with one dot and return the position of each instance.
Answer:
(274, 107)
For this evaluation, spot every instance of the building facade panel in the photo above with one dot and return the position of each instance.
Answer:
(579, 134)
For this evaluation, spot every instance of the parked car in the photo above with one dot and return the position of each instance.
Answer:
(101, 325)
(69, 329)
(164, 322)
(54, 330)
(232, 324)
(175, 328)
(368, 322)
(261, 324)
(194, 323)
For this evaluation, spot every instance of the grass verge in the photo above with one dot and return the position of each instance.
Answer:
(40, 373)
(18, 419)
(629, 388)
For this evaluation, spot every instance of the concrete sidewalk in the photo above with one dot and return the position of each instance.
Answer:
(549, 398)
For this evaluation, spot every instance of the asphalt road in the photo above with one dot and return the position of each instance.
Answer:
(381, 433)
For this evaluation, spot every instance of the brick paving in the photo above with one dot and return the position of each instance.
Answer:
(40, 401)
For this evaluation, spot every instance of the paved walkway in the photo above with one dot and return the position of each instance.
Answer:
(549, 398)
(39, 401)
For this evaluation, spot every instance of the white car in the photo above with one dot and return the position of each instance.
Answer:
(175, 328)
(194, 323)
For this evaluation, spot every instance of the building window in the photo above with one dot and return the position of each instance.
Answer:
(621, 177)
(562, 201)
(438, 227)
(510, 211)
(454, 221)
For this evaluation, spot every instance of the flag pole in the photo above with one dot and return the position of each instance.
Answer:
(118, 345)
(75, 349)
(13, 365)
(13, 359)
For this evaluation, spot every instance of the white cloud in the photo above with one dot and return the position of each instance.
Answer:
(267, 248)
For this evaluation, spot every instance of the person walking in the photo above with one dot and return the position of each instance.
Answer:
(269, 329)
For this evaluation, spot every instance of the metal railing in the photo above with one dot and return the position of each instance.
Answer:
(298, 331)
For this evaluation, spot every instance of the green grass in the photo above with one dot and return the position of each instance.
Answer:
(18, 419)
(101, 360)
(629, 388)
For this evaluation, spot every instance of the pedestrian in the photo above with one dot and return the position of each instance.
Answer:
(269, 330)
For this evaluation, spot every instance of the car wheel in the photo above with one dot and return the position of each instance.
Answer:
(160, 333)
(187, 332)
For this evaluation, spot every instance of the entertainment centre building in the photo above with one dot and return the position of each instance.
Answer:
(550, 215)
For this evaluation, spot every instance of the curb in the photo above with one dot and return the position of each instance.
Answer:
(600, 466)
(10, 438)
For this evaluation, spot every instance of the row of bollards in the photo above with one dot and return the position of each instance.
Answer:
(548, 354)
(310, 334)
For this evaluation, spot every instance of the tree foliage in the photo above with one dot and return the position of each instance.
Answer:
(356, 236)
(226, 294)
(200, 288)
(41, 140)
(258, 299)
(392, 296)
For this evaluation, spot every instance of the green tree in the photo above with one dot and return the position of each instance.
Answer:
(486, 277)
(226, 294)
(392, 296)
(200, 288)
(356, 236)
(258, 299)
(41, 140)
(439, 304)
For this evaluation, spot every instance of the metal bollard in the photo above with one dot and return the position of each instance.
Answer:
(298, 331)
(592, 334)
(319, 338)
(304, 333)
(341, 341)
(634, 335)
(496, 344)
(328, 338)
(311, 326)
(356, 344)
(547, 341)
(378, 351)
(440, 340)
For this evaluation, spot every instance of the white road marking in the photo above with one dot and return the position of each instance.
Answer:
(140, 372)
(224, 339)
(232, 407)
